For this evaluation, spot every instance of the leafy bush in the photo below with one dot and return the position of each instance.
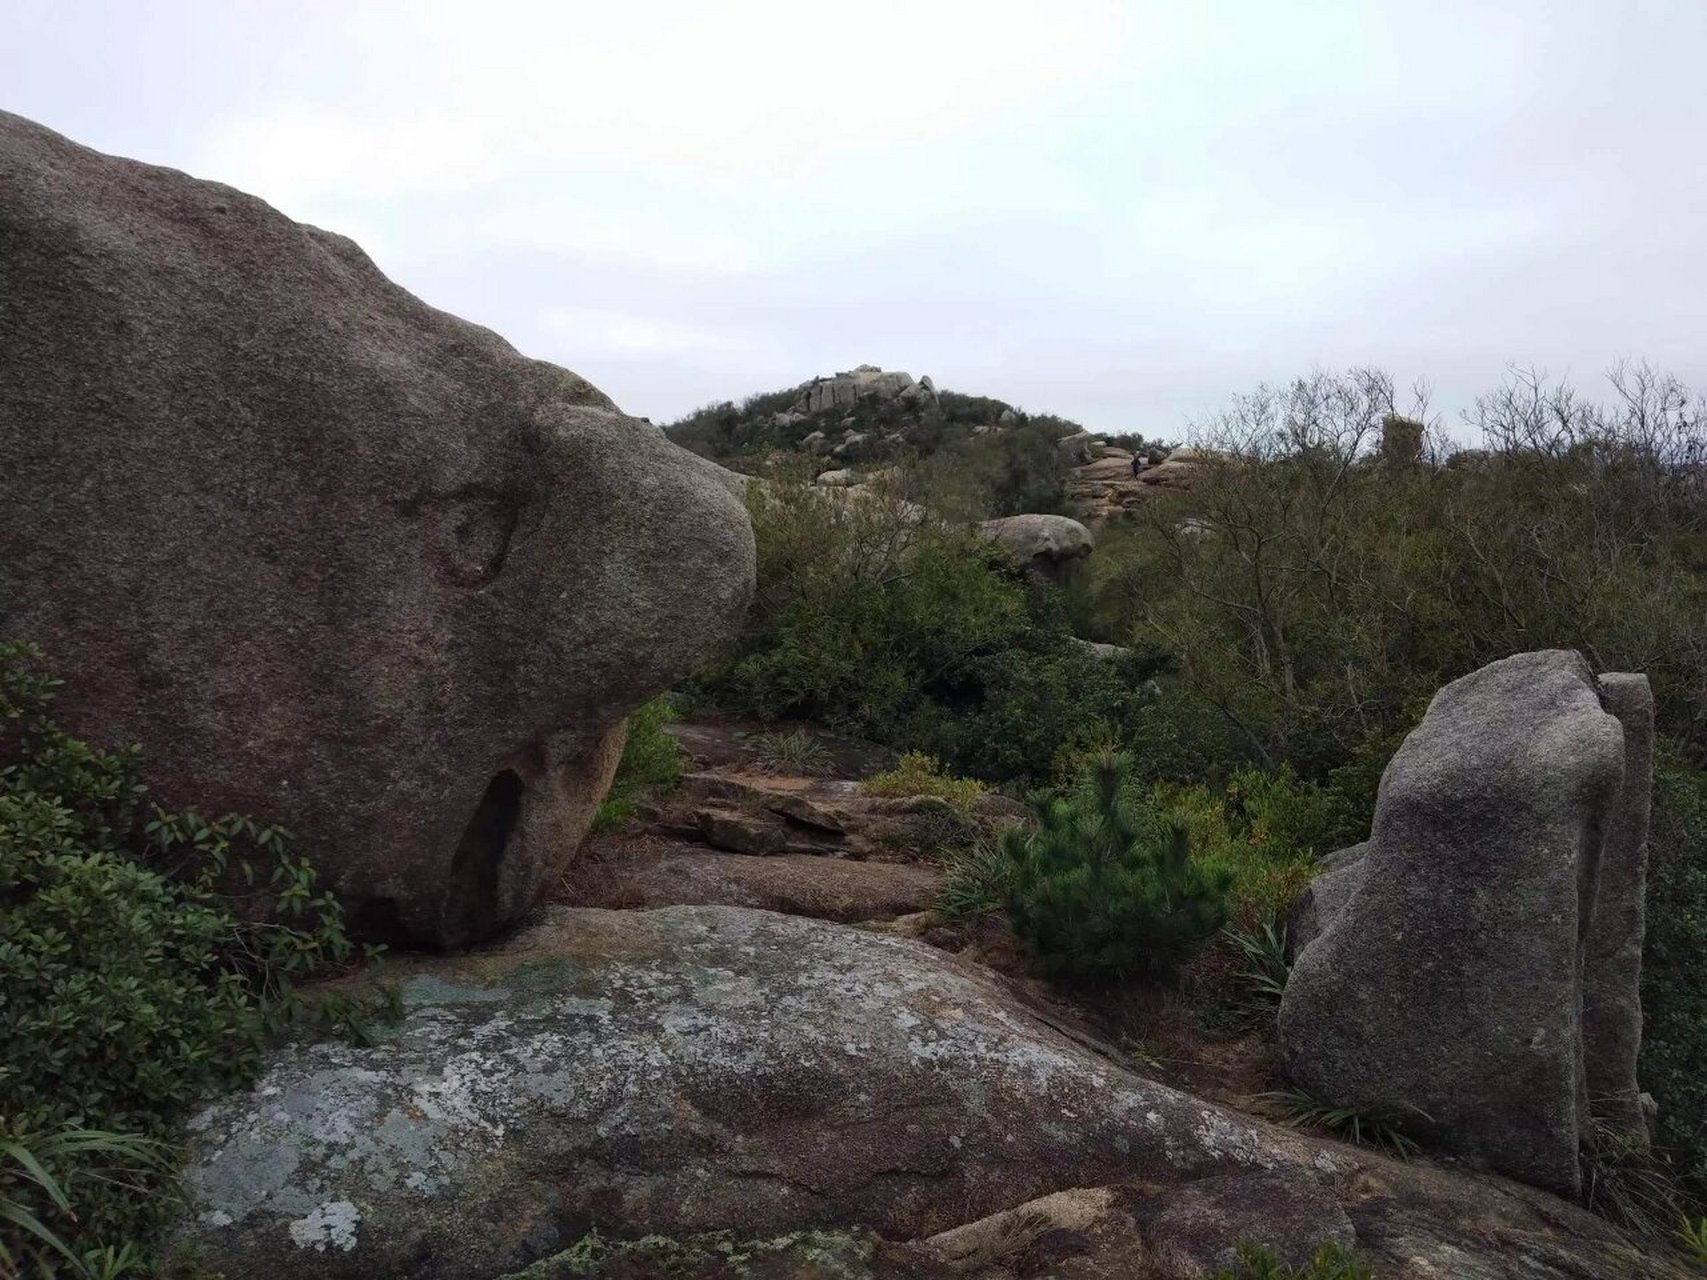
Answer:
(1330, 1262)
(651, 761)
(1260, 831)
(1106, 887)
(916, 633)
(918, 775)
(128, 986)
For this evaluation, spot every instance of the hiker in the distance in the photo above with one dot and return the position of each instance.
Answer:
(1136, 465)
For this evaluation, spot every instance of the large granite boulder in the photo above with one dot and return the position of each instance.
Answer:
(1042, 542)
(1612, 963)
(675, 1071)
(653, 1076)
(332, 557)
(1443, 989)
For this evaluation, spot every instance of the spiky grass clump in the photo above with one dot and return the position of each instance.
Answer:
(1264, 968)
(976, 880)
(41, 1176)
(796, 752)
(1304, 1110)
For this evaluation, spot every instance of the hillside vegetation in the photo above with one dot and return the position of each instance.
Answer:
(1284, 620)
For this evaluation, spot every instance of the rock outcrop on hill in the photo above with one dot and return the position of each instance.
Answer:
(865, 382)
(1116, 481)
(333, 557)
(1442, 978)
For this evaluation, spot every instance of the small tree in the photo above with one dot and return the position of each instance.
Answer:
(1105, 887)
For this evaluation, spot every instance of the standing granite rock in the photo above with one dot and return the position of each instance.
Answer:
(332, 557)
(1446, 990)
(1612, 1006)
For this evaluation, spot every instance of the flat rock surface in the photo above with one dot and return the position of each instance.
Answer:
(713, 1069)
(684, 1070)
(643, 874)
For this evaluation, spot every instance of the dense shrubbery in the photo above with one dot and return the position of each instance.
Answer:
(915, 633)
(1261, 831)
(1315, 594)
(128, 987)
(1106, 887)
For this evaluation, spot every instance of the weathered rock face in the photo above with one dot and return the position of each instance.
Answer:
(1196, 1230)
(675, 1071)
(1612, 963)
(798, 1085)
(1444, 987)
(333, 557)
(1042, 542)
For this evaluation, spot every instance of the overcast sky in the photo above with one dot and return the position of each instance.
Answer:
(1120, 212)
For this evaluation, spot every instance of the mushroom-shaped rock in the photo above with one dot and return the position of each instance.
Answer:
(333, 557)
(1040, 541)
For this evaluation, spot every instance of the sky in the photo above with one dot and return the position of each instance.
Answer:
(1123, 213)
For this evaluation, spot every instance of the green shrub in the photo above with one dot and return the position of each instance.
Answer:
(1330, 1262)
(1674, 967)
(128, 985)
(1259, 831)
(651, 761)
(918, 775)
(915, 633)
(1106, 886)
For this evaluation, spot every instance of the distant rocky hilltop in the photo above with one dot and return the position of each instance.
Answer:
(866, 413)
(868, 416)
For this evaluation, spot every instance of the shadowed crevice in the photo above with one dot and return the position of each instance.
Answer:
(471, 898)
